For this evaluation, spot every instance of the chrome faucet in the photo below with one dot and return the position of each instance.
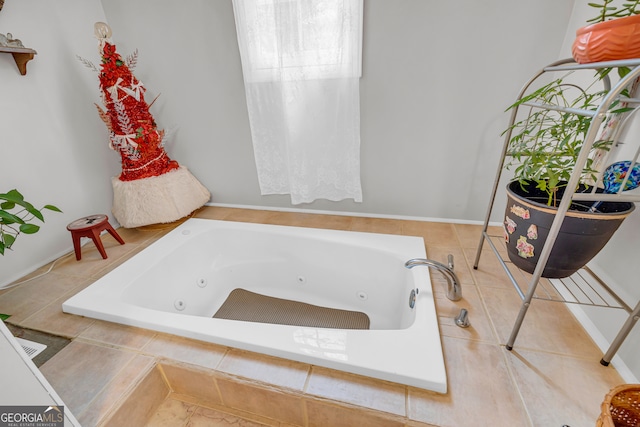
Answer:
(454, 290)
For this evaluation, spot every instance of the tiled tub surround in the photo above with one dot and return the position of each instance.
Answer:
(551, 378)
(177, 284)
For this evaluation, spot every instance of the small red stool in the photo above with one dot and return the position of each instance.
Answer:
(91, 226)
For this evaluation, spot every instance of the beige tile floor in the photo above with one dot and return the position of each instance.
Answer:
(551, 378)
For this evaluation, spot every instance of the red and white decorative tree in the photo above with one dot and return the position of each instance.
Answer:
(152, 188)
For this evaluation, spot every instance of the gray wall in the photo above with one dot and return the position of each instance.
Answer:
(53, 144)
(436, 79)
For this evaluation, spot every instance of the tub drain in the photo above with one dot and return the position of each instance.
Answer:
(412, 298)
(179, 304)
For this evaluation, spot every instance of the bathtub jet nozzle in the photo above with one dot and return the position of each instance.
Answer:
(454, 290)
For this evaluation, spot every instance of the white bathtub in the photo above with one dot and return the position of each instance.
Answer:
(178, 283)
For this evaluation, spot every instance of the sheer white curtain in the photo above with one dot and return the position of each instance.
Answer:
(301, 61)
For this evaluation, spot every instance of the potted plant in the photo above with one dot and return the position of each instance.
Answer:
(543, 148)
(18, 216)
(614, 33)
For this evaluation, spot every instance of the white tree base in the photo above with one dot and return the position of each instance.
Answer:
(158, 199)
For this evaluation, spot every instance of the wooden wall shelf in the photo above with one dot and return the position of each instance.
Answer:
(21, 55)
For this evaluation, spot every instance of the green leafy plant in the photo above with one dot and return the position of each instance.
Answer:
(18, 216)
(544, 146)
(607, 11)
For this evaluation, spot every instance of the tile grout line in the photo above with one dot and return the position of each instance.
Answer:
(125, 394)
(515, 384)
(502, 348)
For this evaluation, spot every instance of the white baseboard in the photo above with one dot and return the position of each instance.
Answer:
(357, 214)
(602, 343)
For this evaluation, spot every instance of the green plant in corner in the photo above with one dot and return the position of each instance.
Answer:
(18, 216)
(570, 116)
(606, 10)
(544, 146)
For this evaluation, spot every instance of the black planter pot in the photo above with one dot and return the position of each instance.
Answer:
(583, 234)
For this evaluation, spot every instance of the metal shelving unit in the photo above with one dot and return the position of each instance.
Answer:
(583, 287)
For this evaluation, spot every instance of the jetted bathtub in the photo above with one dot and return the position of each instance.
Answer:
(178, 283)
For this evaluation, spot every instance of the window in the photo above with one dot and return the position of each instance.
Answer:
(303, 39)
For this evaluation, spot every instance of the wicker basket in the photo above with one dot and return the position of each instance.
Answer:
(621, 407)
